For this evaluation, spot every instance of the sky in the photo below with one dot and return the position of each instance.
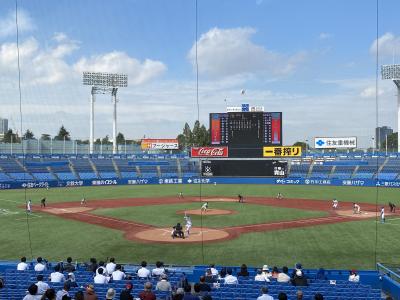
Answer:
(313, 60)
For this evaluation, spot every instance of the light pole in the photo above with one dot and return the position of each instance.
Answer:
(373, 145)
(103, 83)
(306, 146)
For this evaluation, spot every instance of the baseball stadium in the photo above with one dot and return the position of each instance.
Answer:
(274, 172)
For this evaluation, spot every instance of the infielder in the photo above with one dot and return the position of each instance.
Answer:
(43, 202)
(279, 196)
(188, 224)
(29, 206)
(204, 207)
(356, 208)
(382, 214)
(335, 203)
(83, 201)
(180, 195)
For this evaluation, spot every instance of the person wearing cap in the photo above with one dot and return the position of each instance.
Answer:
(297, 267)
(265, 271)
(118, 274)
(22, 266)
(90, 294)
(147, 294)
(163, 285)
(354, 277)
(110, 294)
(42, 286)
(265, 296)
(40, 266)
(71, 280)
(299, 279)
(283, 276)
(126, 293)
(260, 277)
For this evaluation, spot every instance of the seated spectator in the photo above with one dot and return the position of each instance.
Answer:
(209, 277)
(101, 266)
(79, 296)
(283, 276)
(63, 292)
(147, 294)
(69, 266)
(178, 295)
(297, 266)
(126, 293)
(110, 267)
(275, 272)
(163, 285)
(222, 274)
(92, 266)
(299, 279)
(354, 277)
(197, 291)
(32, 293)
(188, 294)
(90, 293)
(183, 281)
(42, 286)
(265, 296)
(321, 274)
(243, 271)
(318, 296)
(214, 271)
(118, 274)
(266, 272)
(143, 272)
(110, 294)
(50, 294)
(1, 283)
(57, 276)
(158, 270)
(282, 296)
(71, 280)
(204, 287)
(40, 266)
(22, 266)
(229, 278)
(299, 295)
(100, 278)
(260, 277)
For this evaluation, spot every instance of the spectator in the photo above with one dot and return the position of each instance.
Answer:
(100, 278)
(40, 266)
(321, 274)
(318, 296)
(222, 274)
(71, 280)
(207, 297)
(265, 296)
(42, 286)
(102, 267)
(204, 287)
(243, 271)
(147, 294)
(275, 272)
(63, 292)
(32, 293)
(57, 276)
(299, 295)
(178, 295)
(196, 288)
(283, 276)
(188, 295)
(1, 283)
(118, 274)
(163, 285)
(110, 294)
(183, 281)
(110, 267)
(22, 266)
(214, 271)
(158, 270)
(297, 267)
(209, 277)
(354, 277)
(265, 271)
(299, 279)
(230, 279)
(90, 294)
(79, 296)
(143, 272)
(260, 277)
(282, 296)
(69, 266)
(389, 298)
(50, 294)
(126, 293)
(92, 267)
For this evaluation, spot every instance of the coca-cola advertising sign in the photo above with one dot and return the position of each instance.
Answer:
(209, 152)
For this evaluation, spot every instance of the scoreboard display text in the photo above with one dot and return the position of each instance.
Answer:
(243, 168)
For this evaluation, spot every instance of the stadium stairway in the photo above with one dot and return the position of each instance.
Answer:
(117, 171)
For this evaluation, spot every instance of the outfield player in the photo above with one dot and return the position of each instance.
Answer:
(382, 214)
(356, 208)
(188, 224)
(204, 207)
(29, 206)
(335, 203)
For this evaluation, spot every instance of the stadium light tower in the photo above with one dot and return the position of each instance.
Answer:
(393, 72)
(103, 83)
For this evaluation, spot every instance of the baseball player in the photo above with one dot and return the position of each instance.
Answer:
(83, 201)
(382, 214)
(279, 196)
(356, 208)
(188, 224)
(29, 206)
(180, 195)
(335, 203)
(204, 207)
(43, 202)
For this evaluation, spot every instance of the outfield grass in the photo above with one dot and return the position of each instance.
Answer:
(345, 245)
(166, 216)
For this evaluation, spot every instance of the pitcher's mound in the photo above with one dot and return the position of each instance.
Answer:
(209, 212)
(67, 210)
(163, 235)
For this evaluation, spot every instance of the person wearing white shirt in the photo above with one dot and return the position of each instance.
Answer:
(354, 277)
(265, 296)
(40, 266)
(42, 286)
(22, 266)
(64, 292)
(57, 276)
(110, 267)
(214, 271)
(118, 274)
(230, 279)
(32, 293)
(159, 270)
(143, 272)
(101, 266)
(260, 277)
(100, 278)
(283, 276)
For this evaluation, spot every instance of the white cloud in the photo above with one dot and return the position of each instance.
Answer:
(225, 52)
(324, 36)
(388, 44)
(120, 62)
(370, 92)
(7, 23)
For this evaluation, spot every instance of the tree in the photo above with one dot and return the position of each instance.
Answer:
(200, 136)
(29, 135)
(392, 142)
(106, 140)
(120, 138)
(63, 134)
(9, 137)
(304, 146)
(45, 137)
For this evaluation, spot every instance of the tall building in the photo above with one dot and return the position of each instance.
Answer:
(380, 135)
(3, 126)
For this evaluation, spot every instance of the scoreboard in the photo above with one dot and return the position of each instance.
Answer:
(246, 130)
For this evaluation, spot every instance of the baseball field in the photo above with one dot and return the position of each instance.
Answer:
(133, 223)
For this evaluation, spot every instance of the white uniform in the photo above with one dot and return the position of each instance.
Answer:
(356, 208)
(383, 215)
(28, 206)
(188, 225)
(204, 206)
(335, 203)
(83, 201)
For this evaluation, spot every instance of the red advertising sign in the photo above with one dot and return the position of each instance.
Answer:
(215, 129)
(209, 152)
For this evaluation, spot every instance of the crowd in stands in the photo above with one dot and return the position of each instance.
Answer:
(156, 280)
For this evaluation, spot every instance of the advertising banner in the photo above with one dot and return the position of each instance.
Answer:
(284, 151)
(160, 144)
(335, 142)
(209, 152)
